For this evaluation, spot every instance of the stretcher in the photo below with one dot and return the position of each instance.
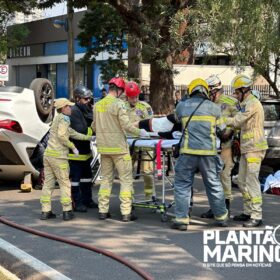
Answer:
(159, 152)
(95, 162)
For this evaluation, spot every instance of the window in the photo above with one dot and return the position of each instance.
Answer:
(271, 112)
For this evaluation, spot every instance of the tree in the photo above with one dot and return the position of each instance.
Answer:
(100, 34)
(7, 12)
(160, 26)
(248, 31)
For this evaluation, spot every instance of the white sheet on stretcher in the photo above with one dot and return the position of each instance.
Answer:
(151, 143)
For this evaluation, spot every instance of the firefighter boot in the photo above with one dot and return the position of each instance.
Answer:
(68, 215)
(104, 216)
(47, 215)
(227, 201)
(242, 218)
(207, 215)
(129, 217)
(253, 223)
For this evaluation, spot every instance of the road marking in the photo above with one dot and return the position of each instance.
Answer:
(31, 261)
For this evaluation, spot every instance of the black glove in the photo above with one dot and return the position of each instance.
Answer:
(224, 135)
(236, 152)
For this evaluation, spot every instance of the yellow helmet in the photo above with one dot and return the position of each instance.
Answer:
(241, 81)
(198, 85)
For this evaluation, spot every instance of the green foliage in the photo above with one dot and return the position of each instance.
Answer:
(248, 30)
(155, 23)
(8, 9)
(100, 34)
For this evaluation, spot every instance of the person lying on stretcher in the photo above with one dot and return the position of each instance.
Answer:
(168, 128)
(165, 127)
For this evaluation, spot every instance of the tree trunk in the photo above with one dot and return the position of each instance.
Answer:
(271, 83)
(134, 58)
(161, 89)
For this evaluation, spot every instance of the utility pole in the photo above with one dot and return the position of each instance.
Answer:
(70, 44)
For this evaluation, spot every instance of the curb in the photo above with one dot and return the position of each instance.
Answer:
(7, 275)
(24, 265)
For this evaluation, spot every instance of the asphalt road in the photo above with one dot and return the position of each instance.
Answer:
(149, 243)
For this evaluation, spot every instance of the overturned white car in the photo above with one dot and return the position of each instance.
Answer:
(25, 116)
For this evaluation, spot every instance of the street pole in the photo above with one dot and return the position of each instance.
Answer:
(70, 43)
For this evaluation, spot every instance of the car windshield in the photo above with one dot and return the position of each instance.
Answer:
(271, 112)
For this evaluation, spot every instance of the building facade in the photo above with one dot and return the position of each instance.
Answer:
(43, 54)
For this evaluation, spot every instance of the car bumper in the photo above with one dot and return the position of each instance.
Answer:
(14, 158)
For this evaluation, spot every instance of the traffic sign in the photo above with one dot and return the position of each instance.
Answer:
(4, 72)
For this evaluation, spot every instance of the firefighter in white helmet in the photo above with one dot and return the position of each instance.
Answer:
(56, 166)
(137, 111)
(253, 146)
(110, 122)
(229, 108)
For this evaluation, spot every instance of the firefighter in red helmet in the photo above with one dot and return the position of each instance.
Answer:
(110, 122)
(138, 111)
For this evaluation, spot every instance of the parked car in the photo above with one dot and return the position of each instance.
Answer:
(25, 116)
(271, 108)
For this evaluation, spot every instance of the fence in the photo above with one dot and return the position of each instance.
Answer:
(265, 90)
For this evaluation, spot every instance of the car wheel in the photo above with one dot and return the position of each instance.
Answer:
(44, 97)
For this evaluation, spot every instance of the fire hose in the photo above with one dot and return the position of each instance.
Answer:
(79, 244)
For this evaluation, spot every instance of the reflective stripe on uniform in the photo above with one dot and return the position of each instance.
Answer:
(227, 193)
(210, 119)
(104, 192)
(52, 153)
(248, 135)
(63, 166)
(65, 200)
(221, 120)
(262, 145)
(126, 194)
(109, 150)
(75, 184)
(70, 145)
(227, 100)
(102, 106)
(221, 218)
(246, 195)
(127, 157)
(45, 199)
(186, 150)
(182, 220)
(79, 157)
(148, 190)
(89, 131)
(254, 160)
(85, 180)
(198, 152)
(256, 200)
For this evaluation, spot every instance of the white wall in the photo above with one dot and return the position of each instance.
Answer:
(189, 72)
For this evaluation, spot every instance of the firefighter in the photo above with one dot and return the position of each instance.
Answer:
(110, 121)
(80, 169)
(137, 111)
(229, 108)
(198, 151)
(56, 165)
(253, 146)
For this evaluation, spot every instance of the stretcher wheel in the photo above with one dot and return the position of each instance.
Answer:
(164, 218)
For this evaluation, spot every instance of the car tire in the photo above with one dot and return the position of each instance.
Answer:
(44, 97)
